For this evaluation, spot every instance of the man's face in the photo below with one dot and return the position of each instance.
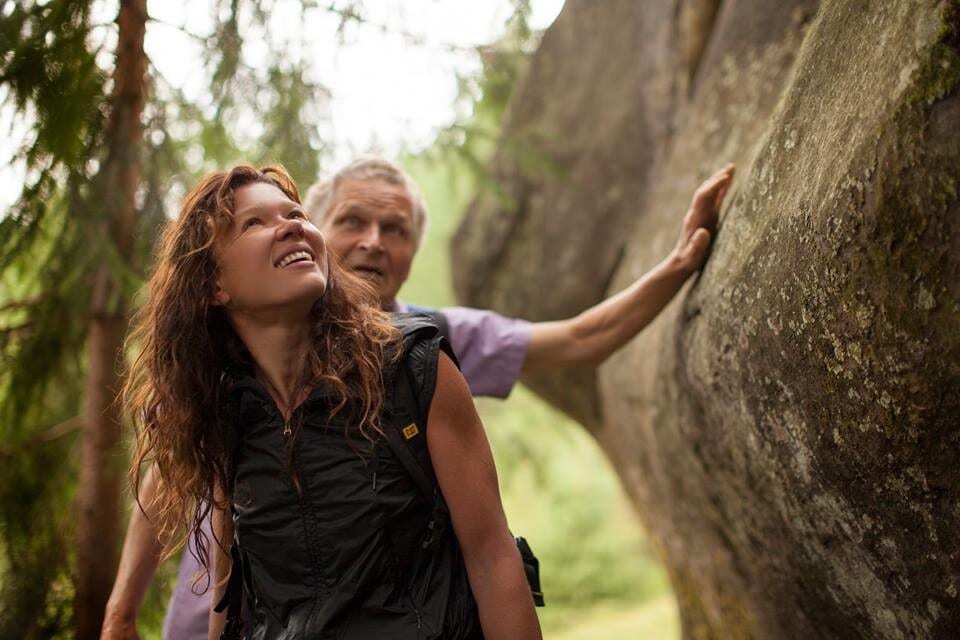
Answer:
(369, 226)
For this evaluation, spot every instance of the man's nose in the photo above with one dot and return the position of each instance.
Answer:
(370, 240)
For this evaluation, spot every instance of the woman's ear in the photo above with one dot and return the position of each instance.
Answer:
(220, 297)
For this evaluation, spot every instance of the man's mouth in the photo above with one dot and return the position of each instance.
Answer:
(368, 272)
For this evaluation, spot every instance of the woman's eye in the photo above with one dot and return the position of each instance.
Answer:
(297, 214)
(249, 222)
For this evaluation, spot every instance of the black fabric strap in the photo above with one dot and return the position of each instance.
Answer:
(232, 599)
(436, 316)
(404, 390)
(408, 407)
(234, 585)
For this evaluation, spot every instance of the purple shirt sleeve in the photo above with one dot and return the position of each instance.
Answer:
(491, 348)
(188, 614)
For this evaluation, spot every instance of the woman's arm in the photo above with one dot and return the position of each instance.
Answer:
(138, 562)
(221, 564)
(468, 479)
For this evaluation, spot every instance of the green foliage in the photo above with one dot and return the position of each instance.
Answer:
(559, 490)
(657, 619)
(291, 123)
(44, 57)
(35, 602)
(561, 494)
(51, 243)
(48, 71)
(483, 99)
(557, 486)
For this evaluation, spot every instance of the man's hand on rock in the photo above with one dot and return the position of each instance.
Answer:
(700, 222)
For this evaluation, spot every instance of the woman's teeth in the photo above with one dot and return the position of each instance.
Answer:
(293, 257)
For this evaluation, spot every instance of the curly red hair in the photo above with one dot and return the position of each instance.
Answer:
(175, 389)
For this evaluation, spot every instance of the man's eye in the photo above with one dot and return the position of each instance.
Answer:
(351, 221)
(396, 230)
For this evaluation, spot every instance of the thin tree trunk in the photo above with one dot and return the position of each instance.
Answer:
(101, 472)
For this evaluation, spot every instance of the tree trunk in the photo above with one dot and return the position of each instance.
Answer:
(787, 427)
(103, 462)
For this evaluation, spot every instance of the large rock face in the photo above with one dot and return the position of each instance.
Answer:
(788, 427)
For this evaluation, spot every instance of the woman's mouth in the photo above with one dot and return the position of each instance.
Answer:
(293, 258)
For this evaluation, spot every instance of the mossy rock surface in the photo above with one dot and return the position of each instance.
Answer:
(788, 426)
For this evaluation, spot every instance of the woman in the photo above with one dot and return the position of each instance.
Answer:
(262, 391)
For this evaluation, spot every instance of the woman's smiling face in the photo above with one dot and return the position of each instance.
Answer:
(271, 258)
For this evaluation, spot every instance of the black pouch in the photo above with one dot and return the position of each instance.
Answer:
(531, 566)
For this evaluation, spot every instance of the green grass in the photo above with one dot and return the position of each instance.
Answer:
(653, 620)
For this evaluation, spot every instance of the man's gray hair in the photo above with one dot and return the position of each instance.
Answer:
(320, 196)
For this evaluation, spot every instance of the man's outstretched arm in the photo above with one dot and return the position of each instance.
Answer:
(592, 336)
(138, 562)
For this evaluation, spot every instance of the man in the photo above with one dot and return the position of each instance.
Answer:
(374, 218)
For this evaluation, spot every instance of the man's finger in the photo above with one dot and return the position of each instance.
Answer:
(701, 238)
(698, 244)
(721, 194)
(712, 182)
(725, 175)
(716, 180)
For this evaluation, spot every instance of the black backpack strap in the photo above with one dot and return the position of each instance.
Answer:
(436, 316)
(410, 395)
(397, 431)
(406, 429)
(406, 434)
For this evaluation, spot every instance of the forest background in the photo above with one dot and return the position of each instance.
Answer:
(107, 147)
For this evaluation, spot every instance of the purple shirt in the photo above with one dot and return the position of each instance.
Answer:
(491, 349)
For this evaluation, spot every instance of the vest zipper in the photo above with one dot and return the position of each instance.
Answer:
(319, 582)
(295, 475)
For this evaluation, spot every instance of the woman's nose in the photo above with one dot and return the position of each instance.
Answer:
(290, 227)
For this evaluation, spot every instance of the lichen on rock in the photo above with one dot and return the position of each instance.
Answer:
(787, 427)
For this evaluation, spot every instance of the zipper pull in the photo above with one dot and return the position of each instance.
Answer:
(286, 429)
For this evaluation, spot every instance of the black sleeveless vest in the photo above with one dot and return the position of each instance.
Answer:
(331, 533)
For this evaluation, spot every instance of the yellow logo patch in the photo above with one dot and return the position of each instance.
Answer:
(410, 430)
